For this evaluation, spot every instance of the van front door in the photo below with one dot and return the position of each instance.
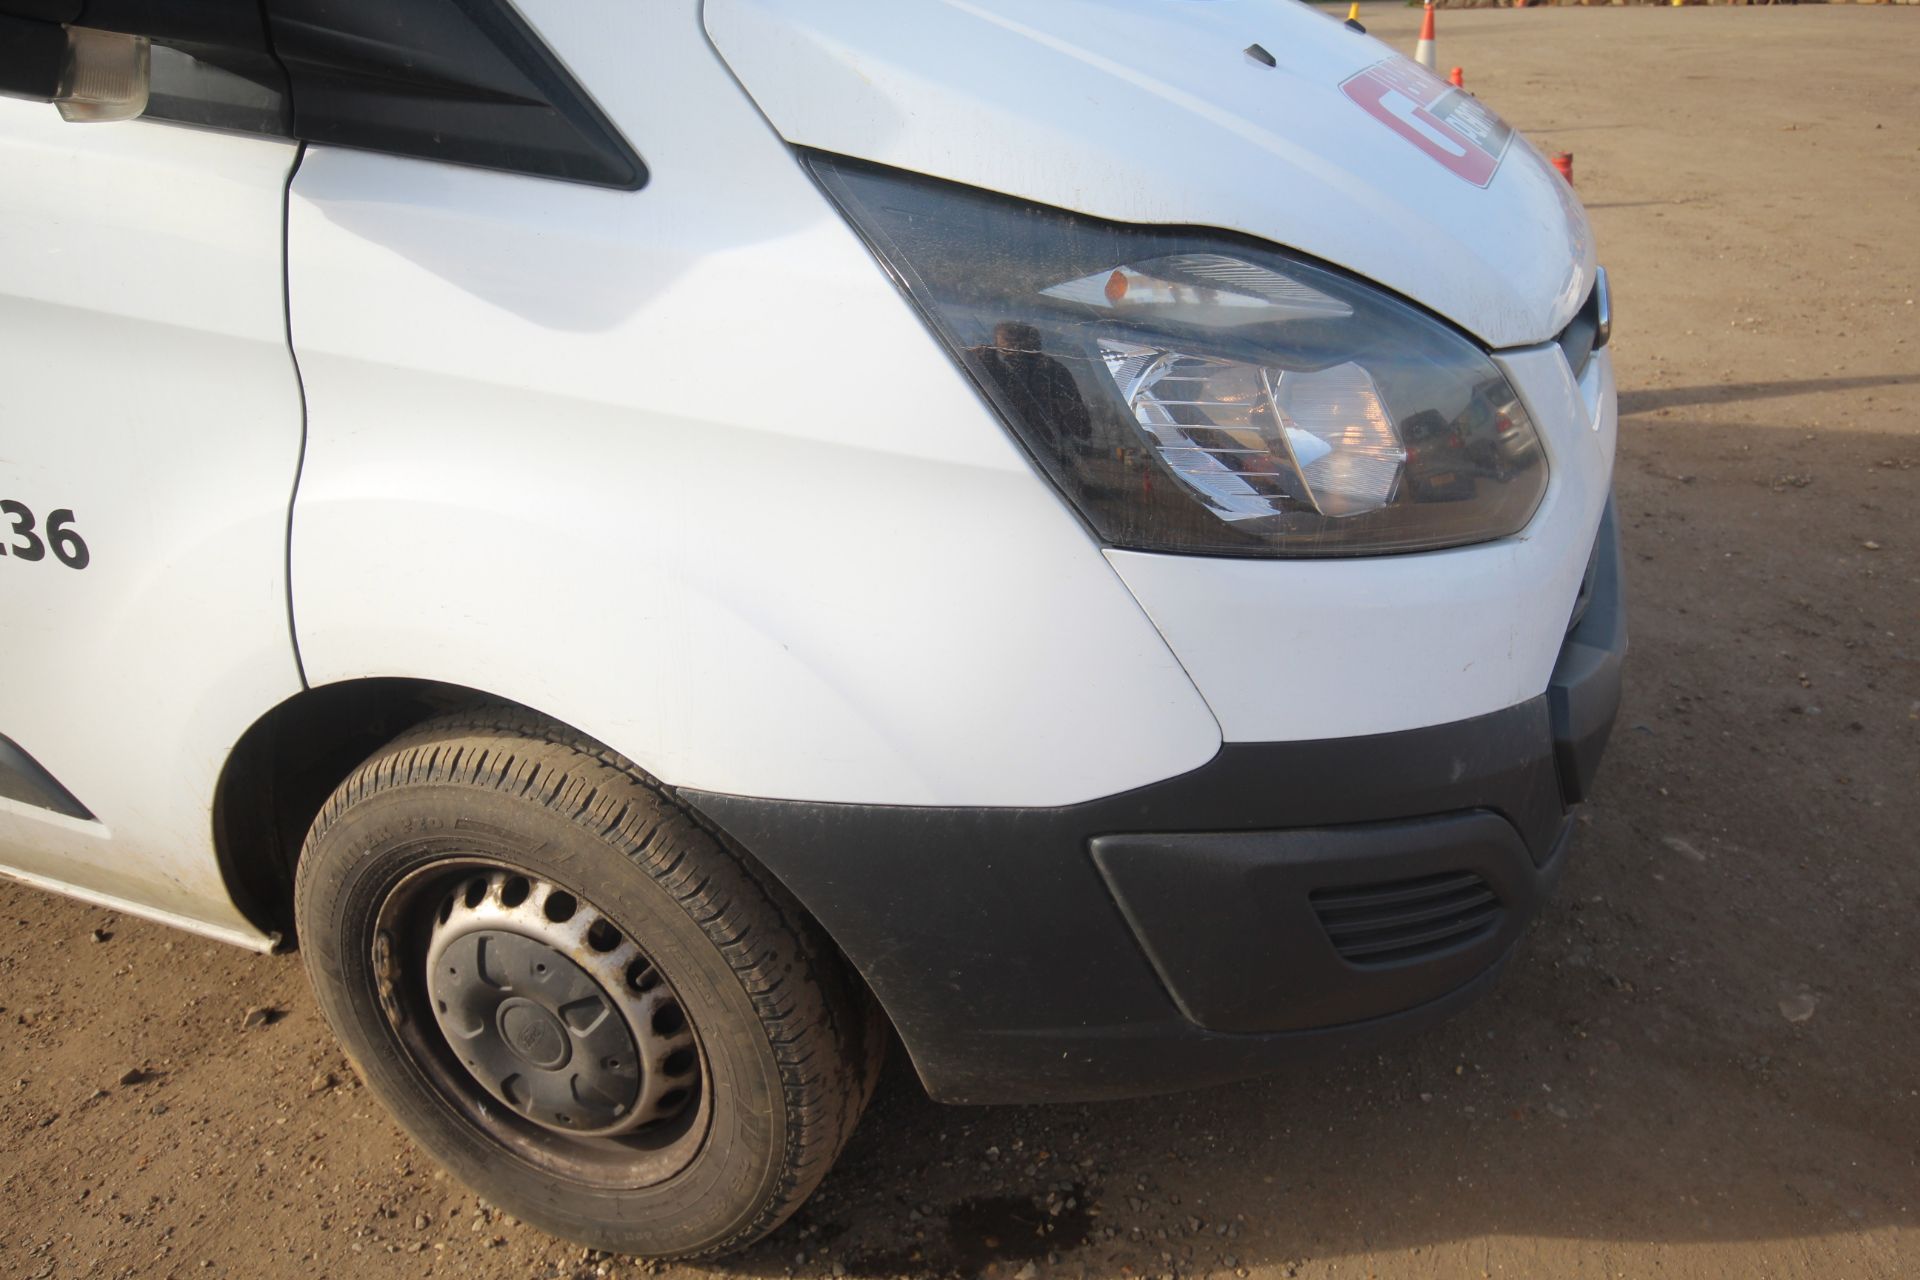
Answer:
(150, 440)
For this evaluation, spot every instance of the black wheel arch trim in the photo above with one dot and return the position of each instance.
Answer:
(1002, 957)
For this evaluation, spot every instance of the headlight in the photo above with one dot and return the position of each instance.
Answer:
(1196, 392)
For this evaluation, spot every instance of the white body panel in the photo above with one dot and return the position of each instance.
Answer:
(1150, 111)
(681, 468)
(145, 384)
(1286, 650)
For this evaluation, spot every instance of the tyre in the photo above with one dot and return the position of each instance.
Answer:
(576, 997)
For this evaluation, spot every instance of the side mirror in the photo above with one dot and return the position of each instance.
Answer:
(90, 75)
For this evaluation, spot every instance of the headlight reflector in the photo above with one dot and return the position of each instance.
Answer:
(1255, 443)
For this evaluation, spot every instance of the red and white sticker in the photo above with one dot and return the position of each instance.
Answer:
(1448, 124)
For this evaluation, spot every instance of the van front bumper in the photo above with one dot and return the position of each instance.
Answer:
(1284, 898)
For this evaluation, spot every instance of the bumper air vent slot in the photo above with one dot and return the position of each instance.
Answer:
(1407, 920)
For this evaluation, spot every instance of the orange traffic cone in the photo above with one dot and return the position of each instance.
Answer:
(1423, 52)
(1457, 78)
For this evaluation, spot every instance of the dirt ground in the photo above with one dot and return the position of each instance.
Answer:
(1704, 1061)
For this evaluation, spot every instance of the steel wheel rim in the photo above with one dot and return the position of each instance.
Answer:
(423, 921)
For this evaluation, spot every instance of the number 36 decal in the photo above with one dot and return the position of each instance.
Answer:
(68, 547)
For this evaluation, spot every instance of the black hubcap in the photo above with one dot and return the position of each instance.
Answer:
(535, 1030)
(554, 1011)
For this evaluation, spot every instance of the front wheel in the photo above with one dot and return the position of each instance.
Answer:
(574, 996)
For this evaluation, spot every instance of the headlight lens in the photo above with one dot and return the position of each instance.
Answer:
(1195, 393)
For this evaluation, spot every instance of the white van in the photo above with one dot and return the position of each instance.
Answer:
(668, 545)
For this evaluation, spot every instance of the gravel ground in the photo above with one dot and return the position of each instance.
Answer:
(1701, 1063)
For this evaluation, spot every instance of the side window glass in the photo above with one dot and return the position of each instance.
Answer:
(461, 81)
(464, 81)
(211, 87)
